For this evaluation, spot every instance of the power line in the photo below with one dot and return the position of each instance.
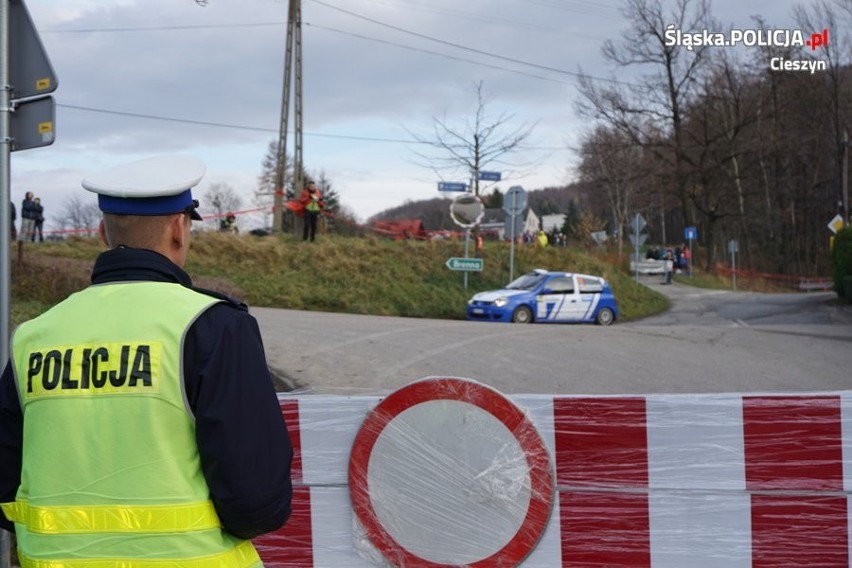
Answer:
(259, 128)
(161, 28)
(377, 22)
(444, 55)
(463, 47)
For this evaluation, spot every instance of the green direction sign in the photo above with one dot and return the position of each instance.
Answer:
(465, 264)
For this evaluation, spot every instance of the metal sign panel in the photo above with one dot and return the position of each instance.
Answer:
(32, 124)
(638, 223)
(518, 226)
(30, 72)
(489, 176)
(638, 240)
(690, 233)
(515, 200)
(836, 224)
(451, 186)
(465, 264)
(733, 246)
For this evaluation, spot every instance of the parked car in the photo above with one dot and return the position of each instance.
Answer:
(543, 296)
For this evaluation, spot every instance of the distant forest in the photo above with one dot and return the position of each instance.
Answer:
(435, 213)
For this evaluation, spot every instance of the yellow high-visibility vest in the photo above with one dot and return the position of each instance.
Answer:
(111, 472)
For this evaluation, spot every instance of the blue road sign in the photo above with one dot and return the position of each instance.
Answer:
(489, 176)
(690, 233)
(451, 186)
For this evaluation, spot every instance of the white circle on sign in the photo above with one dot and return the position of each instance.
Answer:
(477, 487)
(449, 472)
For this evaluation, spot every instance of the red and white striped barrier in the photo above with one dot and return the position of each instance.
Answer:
(722, 480)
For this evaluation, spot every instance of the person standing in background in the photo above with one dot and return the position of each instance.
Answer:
(28, 216)
(39, 221)
(311, 200)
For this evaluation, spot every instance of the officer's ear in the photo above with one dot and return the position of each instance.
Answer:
(179, 228)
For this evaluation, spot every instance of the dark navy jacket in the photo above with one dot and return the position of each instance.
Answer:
(242, 439)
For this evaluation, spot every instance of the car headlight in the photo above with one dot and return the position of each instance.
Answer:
(500, 302)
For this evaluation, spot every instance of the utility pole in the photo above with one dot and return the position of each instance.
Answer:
(293, 51)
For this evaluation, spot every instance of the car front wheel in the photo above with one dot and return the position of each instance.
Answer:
(522, 315)
(604, 317)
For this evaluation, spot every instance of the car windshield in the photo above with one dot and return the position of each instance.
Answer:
(526, 282)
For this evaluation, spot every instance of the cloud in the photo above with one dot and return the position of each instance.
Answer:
(146, 77)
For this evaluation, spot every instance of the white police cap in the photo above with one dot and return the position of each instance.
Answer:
(159, 185)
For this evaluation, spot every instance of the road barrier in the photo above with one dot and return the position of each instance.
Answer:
(734, 480)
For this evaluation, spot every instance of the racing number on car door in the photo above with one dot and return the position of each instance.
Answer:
(559, 302)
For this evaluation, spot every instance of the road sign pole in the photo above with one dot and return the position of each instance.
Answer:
(636, 244)
(512, 242)
(734, 265)
(466, 249)
(691, 257)
(5, 228)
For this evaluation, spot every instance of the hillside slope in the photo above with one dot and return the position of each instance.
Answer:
(353, 275)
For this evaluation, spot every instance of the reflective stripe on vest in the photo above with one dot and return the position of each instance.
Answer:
(109, 518)
(243, 556)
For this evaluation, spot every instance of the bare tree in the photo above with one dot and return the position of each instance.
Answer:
(823, 13)
(469, 148)
(223, 199)
(613, 165)
(80, 215)
(656, 101)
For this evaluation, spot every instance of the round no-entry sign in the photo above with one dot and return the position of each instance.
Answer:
(449, 472)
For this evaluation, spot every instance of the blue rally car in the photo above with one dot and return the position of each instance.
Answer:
(547, 297)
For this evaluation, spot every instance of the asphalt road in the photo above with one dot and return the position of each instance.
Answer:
(709, 341)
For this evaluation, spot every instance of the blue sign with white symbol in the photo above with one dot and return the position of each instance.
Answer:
(690, 233)
(451, 186)
(489, 176)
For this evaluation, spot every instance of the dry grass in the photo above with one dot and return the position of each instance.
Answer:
(342, 274)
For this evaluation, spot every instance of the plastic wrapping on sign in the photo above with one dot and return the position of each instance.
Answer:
(734, 480)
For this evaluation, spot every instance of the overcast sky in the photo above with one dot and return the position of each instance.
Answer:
(144, 77)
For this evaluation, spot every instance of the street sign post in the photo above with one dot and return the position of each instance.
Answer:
(465, 264)
(690, 233)
(514, 203)
(638, 238)
(489, 176)
(638, 223)
(734, 248)
(466, 211)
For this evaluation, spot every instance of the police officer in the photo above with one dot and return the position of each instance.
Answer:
(138, 422)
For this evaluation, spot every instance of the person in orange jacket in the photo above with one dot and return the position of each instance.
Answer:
(311, 200)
